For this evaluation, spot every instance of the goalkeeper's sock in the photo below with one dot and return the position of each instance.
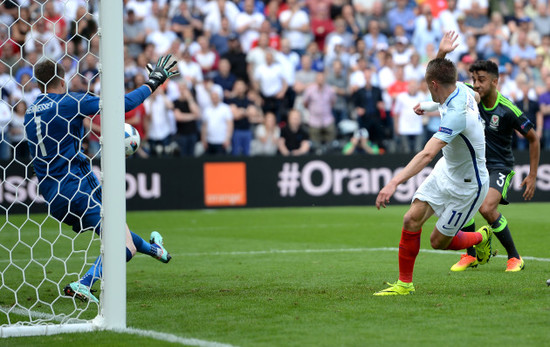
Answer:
(93, 274)
(96, 270)
(145, 247)
(502, 232)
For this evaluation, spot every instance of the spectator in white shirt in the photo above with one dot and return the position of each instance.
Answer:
(448, 17)
(466, 6)
(408, 125)
(162, 38)
(414, 70)
(142, 8)
(215, 10)
(152, 21)
(403, 52)
(159, 111)
(17, 132)
(357, 77)
(206, 57)
(338, 36)
(217, 126)
(43, 42)
(7, 82)
(269, 80)
(248, 25)
(28, 91)
(189, 70)
(203, 91)
(289, 61)
(5, 117)
(296, 28)
(427, 30)
(256, 56)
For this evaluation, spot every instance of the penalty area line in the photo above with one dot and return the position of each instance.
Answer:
(335, 250)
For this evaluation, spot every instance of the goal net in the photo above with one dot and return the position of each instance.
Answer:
(39, 255)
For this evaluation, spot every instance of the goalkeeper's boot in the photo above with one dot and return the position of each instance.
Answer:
(397, 288)
(80, 291)
(465, 262)
(484, 248)
(162, 253)
(515, 265)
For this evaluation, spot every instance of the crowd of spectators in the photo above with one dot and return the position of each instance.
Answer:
(288, 77)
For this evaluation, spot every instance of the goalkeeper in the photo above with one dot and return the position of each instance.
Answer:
(55, 131)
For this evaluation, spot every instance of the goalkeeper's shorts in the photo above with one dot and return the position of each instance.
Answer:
(77, 202)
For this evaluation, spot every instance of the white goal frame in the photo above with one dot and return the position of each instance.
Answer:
(112, 309)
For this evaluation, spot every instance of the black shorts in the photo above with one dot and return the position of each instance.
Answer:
(500, 179)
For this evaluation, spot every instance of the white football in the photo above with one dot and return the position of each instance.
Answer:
(131, 139)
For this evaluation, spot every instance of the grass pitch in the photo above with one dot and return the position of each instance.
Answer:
(305, 277)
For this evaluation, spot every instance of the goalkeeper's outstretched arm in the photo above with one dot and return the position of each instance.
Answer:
(162, 71)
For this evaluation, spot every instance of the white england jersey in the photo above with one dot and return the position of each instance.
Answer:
(459, 182)
(462, 129)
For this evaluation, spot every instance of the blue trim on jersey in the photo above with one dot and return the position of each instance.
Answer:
(445, 130)
(453, 96)
(478, 178)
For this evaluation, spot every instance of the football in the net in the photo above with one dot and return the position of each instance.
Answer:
(131, 139)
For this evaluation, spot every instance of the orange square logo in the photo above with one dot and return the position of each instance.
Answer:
(225, 184)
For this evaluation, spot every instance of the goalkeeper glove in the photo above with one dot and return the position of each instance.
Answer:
(160, 73)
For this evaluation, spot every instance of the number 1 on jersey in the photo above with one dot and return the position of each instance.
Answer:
(38, 122)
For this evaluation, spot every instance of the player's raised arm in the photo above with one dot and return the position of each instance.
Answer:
(425, 106)
(448, 44)
(163, 70)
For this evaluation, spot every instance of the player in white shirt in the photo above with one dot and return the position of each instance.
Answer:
(455, 188)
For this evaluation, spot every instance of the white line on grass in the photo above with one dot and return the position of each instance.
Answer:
(301, 251)
(334, 250)
(145, 333)
(173, 338)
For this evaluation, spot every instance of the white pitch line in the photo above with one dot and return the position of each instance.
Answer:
(145, 333)
(302, 251)
(173, 338)
(334, 250)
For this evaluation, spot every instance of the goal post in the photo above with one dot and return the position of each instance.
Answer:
(113, 304)
(30, 247)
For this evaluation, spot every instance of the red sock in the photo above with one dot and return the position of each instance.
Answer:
(463, 240)
(408, 250)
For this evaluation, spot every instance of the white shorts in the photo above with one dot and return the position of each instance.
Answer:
(454, 204)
